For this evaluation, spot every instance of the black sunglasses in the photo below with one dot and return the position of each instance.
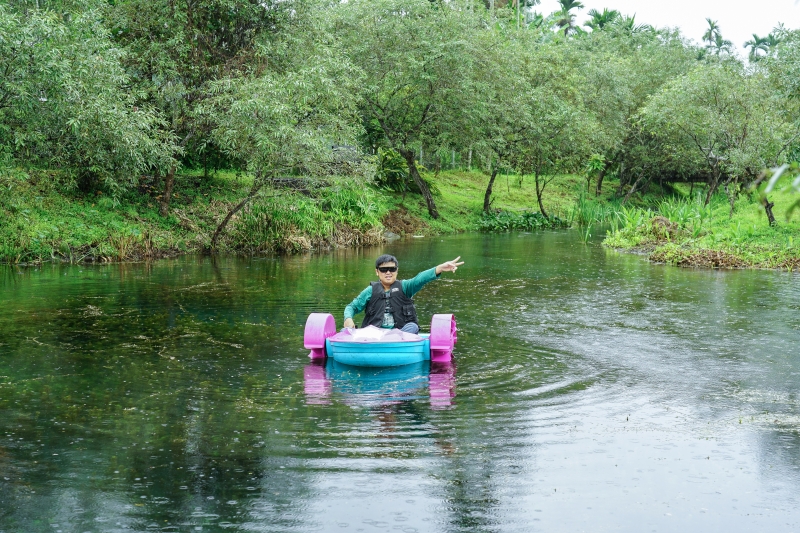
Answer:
(384, 270)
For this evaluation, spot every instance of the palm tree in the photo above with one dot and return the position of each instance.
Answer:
(712, 32)
(628, 24)
(599, 20)
(523, 7)
(772, 41)
(757, 45)
(713, 36)
(565, 18)
(720, 45)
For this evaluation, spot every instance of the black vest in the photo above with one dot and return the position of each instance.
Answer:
(402, 306)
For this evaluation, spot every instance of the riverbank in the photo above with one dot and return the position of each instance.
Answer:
(682, 231)
(41, 222)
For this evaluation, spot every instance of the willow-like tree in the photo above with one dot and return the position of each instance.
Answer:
(620, 71)
(177, 49)
(285, 120)
(417, 59)
(724, 118)
(65, 104)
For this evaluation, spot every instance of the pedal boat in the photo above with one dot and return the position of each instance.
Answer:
(377, 347)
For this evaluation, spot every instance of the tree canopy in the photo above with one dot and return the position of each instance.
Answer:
(108, 92)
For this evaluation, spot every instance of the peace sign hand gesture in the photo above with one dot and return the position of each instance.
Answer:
(449, 266)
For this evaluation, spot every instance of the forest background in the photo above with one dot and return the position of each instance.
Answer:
(133, 129)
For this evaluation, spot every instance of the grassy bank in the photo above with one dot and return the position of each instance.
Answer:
(682, 231)
(43, 219)
(41, 222)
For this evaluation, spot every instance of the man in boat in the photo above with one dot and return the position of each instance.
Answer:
(388, 301)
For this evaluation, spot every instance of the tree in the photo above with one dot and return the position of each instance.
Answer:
(558, 128)
(64, 102)
(723, 118)
(565, 18)
(503, 118)
(712, 33)
(714, 40)
(720, 46)
(176, 49)
(758, 47)
(628, 25)
(620, 71)
(599, 21)
(285, 120)
(417, 58)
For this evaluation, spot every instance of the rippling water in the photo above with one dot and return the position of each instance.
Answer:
(591, 391)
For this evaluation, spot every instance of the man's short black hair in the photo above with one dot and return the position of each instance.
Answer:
(386, 258)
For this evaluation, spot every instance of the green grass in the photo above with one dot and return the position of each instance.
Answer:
(460, 199)
(697, 235)
(43, 219)
(40, 222)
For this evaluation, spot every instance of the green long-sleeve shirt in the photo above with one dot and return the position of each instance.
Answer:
(410, 288)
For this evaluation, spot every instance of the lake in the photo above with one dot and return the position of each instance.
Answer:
(590, 391)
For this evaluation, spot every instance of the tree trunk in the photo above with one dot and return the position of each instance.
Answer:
(539, 192)
(487, 197)
(169, 180)
(599, 189)
(169, 184)
(408, 155)
(731, 197)
(768, 209)
(622, 179)
(469, 160)
(633, 188)
(712, 187)
(257, 184)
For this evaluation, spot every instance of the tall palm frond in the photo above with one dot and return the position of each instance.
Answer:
(712, 32)
(720, 45)
(758, 47)
(598, 20)
(628, 24)
(565, 18)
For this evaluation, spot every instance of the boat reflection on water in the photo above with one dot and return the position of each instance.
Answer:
(323, 380)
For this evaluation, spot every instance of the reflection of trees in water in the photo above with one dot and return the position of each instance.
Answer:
(468, 483)
(142, 394)
(99, 386)
(195, 454)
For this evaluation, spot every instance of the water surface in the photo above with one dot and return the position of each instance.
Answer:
(591, 391)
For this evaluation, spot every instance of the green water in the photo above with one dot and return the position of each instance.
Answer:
(591, 391)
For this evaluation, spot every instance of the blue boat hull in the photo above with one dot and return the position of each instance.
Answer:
(379, 354)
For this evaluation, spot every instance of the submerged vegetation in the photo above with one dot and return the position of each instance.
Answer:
(135, 129)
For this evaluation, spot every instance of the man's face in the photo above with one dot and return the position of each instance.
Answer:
(388, 277)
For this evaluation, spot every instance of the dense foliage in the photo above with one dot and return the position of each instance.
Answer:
(113, 98)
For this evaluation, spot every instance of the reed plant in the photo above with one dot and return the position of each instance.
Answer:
(588, 211)
(586, 233)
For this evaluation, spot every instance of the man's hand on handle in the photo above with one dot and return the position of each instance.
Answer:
(449, 266)
(348, 323)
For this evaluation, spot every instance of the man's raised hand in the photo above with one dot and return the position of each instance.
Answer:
(449, 266)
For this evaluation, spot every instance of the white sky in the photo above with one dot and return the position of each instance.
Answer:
(737, 19)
